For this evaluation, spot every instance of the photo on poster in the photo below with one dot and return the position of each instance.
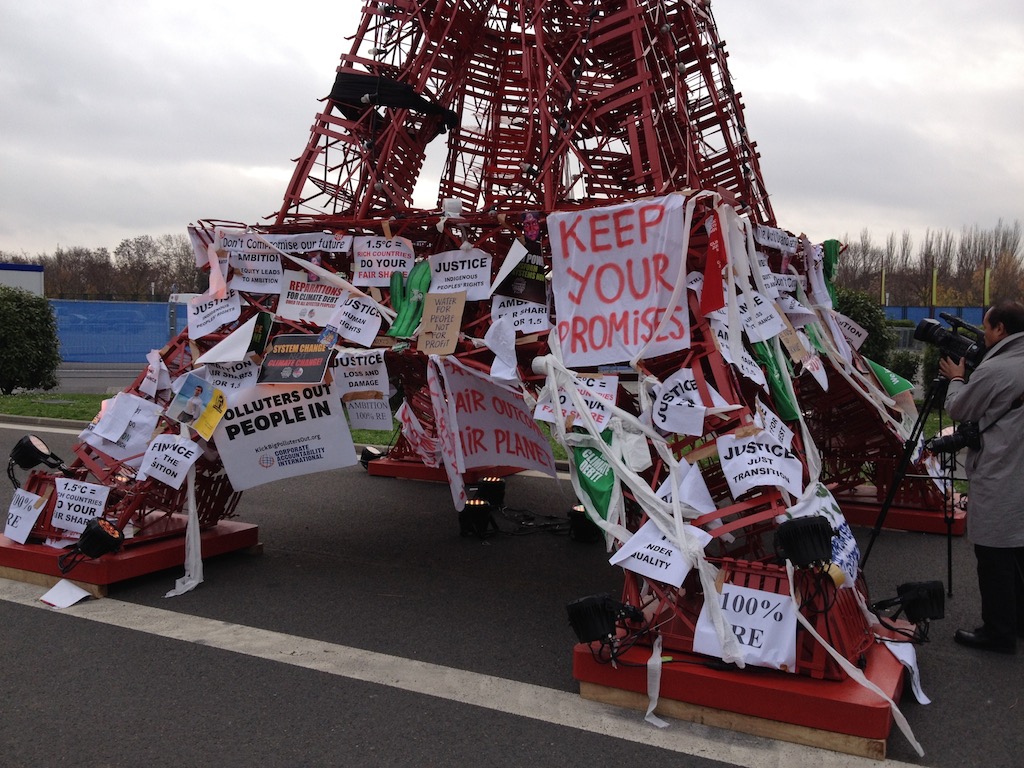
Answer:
(198, 404)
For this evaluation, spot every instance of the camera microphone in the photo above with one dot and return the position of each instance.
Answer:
(955, 322)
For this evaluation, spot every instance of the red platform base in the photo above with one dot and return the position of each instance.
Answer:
(417, 470)
(861, 507)
(136, 558)
(838, 715)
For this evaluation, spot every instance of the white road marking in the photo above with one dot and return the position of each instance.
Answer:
(493, 693)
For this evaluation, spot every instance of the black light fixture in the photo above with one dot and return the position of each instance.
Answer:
(99, 538)
(490, 489)
(805, 541)
(30, 452)
(476, 519)
(581, 527)
(369, 453)
(921, 600)
(594, 617)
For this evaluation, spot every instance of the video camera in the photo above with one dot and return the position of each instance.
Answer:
(950, 341)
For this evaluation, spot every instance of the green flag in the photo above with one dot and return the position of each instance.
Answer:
(891, 382)
(784, 405)
(596, 476)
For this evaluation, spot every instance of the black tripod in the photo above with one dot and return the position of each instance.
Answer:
(936, 396)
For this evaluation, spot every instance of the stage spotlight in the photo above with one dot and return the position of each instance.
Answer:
(805, 541)
(368, 454)
(921, 601)
(99, 538)
(491, 490)
(476, 519)
(30, 452)
(594, 617)
(581, 527)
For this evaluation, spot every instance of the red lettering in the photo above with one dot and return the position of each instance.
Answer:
(650, 217)
(621, 228)
(597, 232)
(565, 233)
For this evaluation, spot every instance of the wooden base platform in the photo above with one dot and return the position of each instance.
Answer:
(37, 564)
(861, 507)
(842, 716)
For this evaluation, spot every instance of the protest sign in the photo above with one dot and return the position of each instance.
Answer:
(77, 503)
(650, 554)
(772, 237)
(207, 314)
(157, 377)
(851, 330)
(271, 432)
(233, 241)
(22, 514)
(309, 300)
(228, 377)
(461, 270)
(168, 459)
(766, 419)
(764, 623)
(748, 462)
(294, 358)
(693, 491)
(355, 318)
(525, 316)
(362, 380)
(598, 393)
(745, 363)
(493, 424)
(375, 258)
(131, 443)
(442, 318)
(524, 278)
(845, 550)
(614, 271)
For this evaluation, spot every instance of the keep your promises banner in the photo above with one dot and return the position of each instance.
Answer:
(613, 274)
(270, 433)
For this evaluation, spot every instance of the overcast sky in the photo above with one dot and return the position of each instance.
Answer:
(121, 118)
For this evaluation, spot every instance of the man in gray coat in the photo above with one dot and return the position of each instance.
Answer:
(995, 506)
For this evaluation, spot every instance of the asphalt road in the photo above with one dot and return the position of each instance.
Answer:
(369, 632)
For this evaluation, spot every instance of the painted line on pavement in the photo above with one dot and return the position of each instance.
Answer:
(493, 693)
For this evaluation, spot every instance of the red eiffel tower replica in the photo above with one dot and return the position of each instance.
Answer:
(501, 114)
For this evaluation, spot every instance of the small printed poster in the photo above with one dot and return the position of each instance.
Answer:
(442, 319)
(198, 404)
(462, 270)
(309, 300)
(77, 503)
(356, 319)
(760, 459)
(375, 258)
(294, 358)
(598, 393)
(168, 459)
(650, 554)
(764, 623)
(22, 514)
(207, 314)
(362, 379)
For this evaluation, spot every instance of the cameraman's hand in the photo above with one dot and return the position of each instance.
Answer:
(952, 369)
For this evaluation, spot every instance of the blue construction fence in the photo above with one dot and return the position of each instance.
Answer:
(115, 331)
(126, 331)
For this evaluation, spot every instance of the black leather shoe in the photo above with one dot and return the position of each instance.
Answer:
(979, 638)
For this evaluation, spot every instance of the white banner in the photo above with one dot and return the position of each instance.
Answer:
(614, 271)
(255, 272)
(454, 271)
(77, 503)
(375, 258)
(764, 623)
(234, 241)
(748, 462)
(494, 425)
(168, 459)
(270, 433)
